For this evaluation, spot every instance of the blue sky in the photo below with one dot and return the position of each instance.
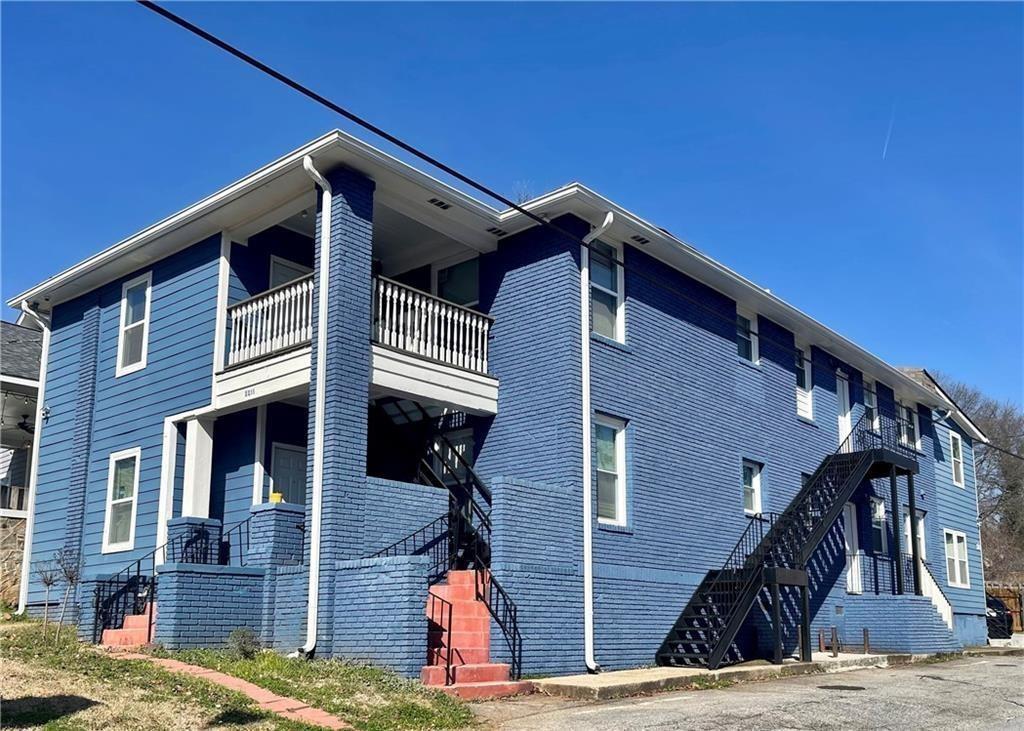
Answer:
(758, 133)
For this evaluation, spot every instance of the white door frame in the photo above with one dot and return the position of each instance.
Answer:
(274, 446)
(843, 399)
(854, 584)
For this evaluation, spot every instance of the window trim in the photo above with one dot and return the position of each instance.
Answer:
(619, 427)
(115, 457)
(914, 420)
(806, 367)
(922, 535)
(870, 389)
(755, 349)
(620, 294)
(756, 486)
(120, 370)
(955, 436)
(872, 503)
(276, 260)
(956, 561)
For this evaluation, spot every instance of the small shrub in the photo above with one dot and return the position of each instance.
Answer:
(243, 643)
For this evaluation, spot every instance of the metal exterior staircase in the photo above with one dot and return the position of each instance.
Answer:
(775, 548)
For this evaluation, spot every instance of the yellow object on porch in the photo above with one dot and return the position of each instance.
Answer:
(277, 497)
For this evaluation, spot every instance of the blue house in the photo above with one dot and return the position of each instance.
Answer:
(363, 414)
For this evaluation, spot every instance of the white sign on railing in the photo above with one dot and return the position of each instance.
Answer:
(274, 320)
(426, 325)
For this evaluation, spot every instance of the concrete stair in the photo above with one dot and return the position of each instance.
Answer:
(460, 628)
(134, 631)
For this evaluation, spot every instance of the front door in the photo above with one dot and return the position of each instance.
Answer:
(843, 395)
(853, 583)
(288, 472)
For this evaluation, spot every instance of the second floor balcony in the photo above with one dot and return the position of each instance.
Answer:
(423, 346)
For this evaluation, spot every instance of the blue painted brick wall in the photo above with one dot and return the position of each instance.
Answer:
(396, 509)
(199, 605)
(276, 534)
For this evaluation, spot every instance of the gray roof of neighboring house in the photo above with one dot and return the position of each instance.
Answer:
(927, 380)
(20, 349)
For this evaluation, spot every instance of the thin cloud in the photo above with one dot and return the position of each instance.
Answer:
(888, 134)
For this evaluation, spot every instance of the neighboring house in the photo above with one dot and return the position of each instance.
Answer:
(19, 381)
(299, 402)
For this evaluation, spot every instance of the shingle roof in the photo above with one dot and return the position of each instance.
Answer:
(20, 349)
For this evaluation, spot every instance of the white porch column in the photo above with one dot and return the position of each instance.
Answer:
(195, 498)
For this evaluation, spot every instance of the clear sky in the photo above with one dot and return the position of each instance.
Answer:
(864, 161)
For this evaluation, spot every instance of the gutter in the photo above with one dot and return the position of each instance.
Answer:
(33, 479)
(588, 479)
(319, 405)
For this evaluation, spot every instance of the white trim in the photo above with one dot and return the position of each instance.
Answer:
(755, 347)
(851, 547)
(959, 440)
(259, 454)
(11, 513)
(870, 388)
(922, 532)
(33, 481)
(755, 486)
(134, 453)
(873, 504)
(914, 421)
(618, 293)
(274, 446)
(18, 381)
(223, 283)
(956, 561)
(144, 323)
(805, 395)
(280, 261)
(844, 406)
(618, 428)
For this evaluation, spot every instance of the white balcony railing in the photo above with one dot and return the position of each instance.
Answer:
(425, 325)
(271, 321)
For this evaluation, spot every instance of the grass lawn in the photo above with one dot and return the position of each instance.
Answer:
(368, 698)
(68, 685)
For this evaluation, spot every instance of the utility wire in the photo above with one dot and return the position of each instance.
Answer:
(798, 355)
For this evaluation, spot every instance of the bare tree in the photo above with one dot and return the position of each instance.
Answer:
(69, 569)
(48, 575)
(521, 191)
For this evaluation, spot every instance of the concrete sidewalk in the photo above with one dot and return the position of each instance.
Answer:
(622, 683)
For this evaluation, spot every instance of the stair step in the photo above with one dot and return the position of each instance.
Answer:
(480, 691)
(494, 672)
(460, 656)
(125, 637)
(136, 621)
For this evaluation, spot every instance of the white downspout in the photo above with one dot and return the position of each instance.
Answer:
(318, 417)
(588, 481)
(33, 481)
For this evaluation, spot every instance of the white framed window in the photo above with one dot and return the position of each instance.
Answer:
(956, 559)
(283, 271)
(804, 382)
(609, 435)
(133, 331)
(910, 431)
(458, 280)
(871, 404)
(956, 457)
(122, 500)
(746, 336)
(922, 549)
(751, 487)
(606, 291)
(878, 537)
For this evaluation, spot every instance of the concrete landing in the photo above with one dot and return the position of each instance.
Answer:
(621, 683)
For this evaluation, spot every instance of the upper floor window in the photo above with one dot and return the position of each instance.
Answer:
(133, 335)
(956, 559)
(878, 525)
(611, 471)
(605, 291)
(751, 487)
(460, 282)
(122, 492)
(956, 456)
(746, 337)
(871, 404)
(804, 383)
(910, 432)
(283, 271)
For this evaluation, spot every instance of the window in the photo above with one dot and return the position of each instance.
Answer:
(460, 283)
(605, 291)
(871, 404)
(804, 383)
(921, 543)
(956, 456)
(956, 559)
(611, 468)
(751, 488)
(134, 331)
(283, 271)
(878, 525)
(122, 490)
(462, 445)
(909, 431)
(746, 338)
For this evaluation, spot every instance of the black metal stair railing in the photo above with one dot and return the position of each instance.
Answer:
(707, 626)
